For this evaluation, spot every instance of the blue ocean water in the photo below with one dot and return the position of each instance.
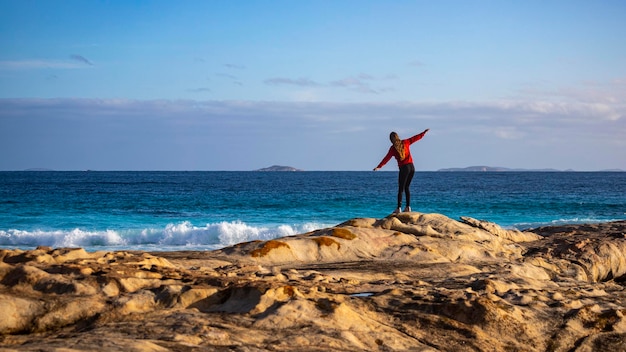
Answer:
(209, 210)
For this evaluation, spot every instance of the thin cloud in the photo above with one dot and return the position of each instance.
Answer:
(504, 113)
(361, 83)
(80, 58)
(226, 75)
(37, 64)
(235, 66)
(606, 96)
(350, 81)
(199, 90)
(233, 78)
(510, 133)
(301, 82)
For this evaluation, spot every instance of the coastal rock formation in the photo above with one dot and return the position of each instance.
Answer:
(411, 281)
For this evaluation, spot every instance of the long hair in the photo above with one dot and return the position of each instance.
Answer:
(397, 144)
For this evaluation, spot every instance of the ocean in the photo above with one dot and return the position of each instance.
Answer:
(158, 211)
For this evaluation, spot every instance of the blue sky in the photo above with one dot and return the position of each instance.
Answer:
(318, 85)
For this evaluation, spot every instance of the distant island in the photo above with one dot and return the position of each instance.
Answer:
(278, 168)
(504, 169)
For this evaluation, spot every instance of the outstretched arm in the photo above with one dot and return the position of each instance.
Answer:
(385, 159)
(419, 136)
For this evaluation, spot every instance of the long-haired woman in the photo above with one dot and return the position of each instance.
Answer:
(400, 149)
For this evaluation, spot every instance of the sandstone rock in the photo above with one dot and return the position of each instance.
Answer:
(70, 312)
(139, 302)
(595, 256)
(149, 261)
(512, 235)
(110, 289)
(411, 281)
(200, 298)
(18, 314)
(62, 255)
(133, 284)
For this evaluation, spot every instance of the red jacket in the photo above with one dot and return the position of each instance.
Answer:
(393, 152)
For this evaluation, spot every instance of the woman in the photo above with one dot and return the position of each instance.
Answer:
(400, 149)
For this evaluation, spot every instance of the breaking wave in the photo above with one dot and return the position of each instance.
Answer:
(177, 236)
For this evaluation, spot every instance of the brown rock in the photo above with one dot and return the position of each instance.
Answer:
(69, 312)
(18, 314)
(412, 281)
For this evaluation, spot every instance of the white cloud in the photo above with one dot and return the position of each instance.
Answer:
(592, 98)
(264, 132)
(510, 133)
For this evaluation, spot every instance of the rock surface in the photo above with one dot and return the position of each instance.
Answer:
(412, 281)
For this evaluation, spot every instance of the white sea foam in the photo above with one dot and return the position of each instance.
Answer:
(183, 234)
(563, 221)
(60, 238)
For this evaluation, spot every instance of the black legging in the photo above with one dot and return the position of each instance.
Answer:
(404, 181)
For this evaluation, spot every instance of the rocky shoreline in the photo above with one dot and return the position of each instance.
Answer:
(412, 281)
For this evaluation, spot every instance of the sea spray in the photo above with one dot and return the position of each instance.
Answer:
(59, 238)
(183, 235)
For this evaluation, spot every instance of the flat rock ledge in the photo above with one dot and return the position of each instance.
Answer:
(408, 282)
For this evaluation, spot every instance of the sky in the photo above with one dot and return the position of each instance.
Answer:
(317, 85)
